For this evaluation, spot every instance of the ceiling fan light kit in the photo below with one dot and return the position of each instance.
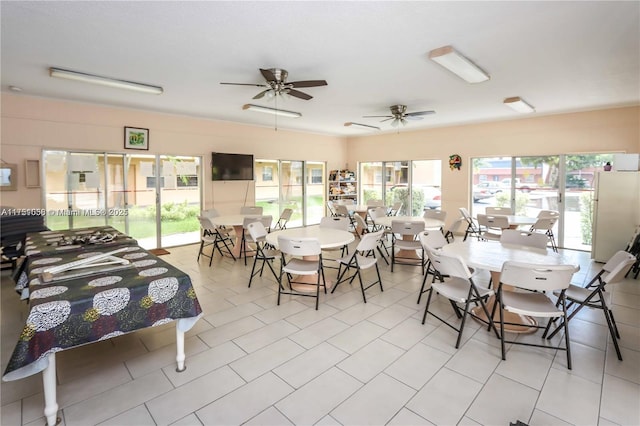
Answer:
(365, 126)
(519, 105)
(105, 81)
(455, 62)
(276, 84)
(274, 111)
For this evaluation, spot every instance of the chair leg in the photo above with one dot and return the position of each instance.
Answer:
(253, 268)
(566, 331)
(613, 330)
(379, 278)
(464, 318)
(426, 308)
(361, 286)
(499, 301)
(200, 251)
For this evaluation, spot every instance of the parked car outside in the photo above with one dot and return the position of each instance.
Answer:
(486, 189)
(432, 197)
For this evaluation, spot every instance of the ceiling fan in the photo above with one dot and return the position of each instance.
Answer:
(277, 84)
(399, 115)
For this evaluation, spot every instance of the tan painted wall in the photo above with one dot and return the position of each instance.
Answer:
(31, 124)
(585, 132)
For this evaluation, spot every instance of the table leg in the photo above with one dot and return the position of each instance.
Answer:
(49, 383)
(180, 355)
(237, 243)
(521, 324)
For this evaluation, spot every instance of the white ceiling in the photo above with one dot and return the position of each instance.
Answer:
(558, 56)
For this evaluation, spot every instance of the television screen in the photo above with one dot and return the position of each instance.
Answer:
(231, 166)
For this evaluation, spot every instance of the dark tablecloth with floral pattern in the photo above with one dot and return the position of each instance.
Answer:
(47, 244)
(71, 311)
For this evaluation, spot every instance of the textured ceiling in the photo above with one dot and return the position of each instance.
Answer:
(558, 56)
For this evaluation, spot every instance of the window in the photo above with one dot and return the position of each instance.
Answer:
(151, 182)
(267, 174)
(316, 175)
(187, 181)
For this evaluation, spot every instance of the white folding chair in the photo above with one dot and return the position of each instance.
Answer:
(364, 257)
(283, 219)
(540, 280)
(246, 237)
(436, 214)
(337, 222)
(300, 257)
(524, 238)
(216, 237)
(458, 287)
(405, 240)
(472, 228)
(595, 295)
(266, 255)
(544, 226)
(491, 227)
(492, 211)
(254, 210)
(430, 240)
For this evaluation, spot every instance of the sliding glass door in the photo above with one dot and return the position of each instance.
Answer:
(154, 199)
(529, 184)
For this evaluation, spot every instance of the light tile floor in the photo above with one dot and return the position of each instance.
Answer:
(252, 362)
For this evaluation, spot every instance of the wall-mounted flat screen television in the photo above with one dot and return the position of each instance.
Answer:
(231, 166)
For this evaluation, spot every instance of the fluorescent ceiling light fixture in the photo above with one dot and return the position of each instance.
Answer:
(273, 111)
(458, 64)
(517, 104)
(105, 81)
(366, 126)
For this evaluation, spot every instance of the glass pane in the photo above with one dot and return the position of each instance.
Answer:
(116, 196)
(579, 177)
(292, 189)
(491, 185)
(426, 180)
(371, 179)
(56, 195)
(315, 192)
(267, 184)
(180, 200)
(141, 198)
(85, 177)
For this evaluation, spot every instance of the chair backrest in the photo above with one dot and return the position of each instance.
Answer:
(250, 219)
(335, 222)
(536, 277)
(299, 246)
(257, 210)
(617, 267)
(376, 212)
(435, 214)
(395, 208)
(548, 214)
(286, 214)
(433, 239)
(205, 223)
(495, 222)
(466, 215)
(375, 203)
(257, 230)
(543, 224)
(341, 210)
(209, 213)
(267, 220)
(402, 227)
(498, 210)
(331, 207)
(524, 238)
(369, 241)
(448, 264)
(360, 223)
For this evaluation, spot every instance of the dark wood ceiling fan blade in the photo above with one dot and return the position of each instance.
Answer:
(261, 94)
(419, 113)
(377, 116)
(267, 74)
(246, 84)
(299, 94)
(413, 117)
(308, 83)
(390, 118)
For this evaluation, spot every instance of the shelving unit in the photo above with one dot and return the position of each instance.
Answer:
(343, 185)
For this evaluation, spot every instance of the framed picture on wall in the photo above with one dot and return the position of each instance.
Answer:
(136, 138)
